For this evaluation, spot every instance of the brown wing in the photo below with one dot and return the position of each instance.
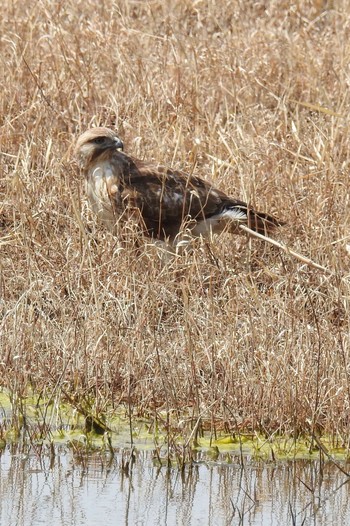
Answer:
(166, 198)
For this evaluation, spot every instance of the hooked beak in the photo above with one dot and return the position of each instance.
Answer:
(119, 143)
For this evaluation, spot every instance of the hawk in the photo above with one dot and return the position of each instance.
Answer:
(163, 201)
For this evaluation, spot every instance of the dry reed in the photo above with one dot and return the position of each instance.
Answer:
(237, 334)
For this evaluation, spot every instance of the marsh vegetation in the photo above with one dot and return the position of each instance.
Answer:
(235, 336)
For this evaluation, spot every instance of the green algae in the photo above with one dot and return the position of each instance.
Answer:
(52, 421)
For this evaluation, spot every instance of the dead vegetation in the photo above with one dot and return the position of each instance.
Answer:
(237, 334)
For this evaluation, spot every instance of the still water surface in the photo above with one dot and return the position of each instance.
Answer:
(68, 491)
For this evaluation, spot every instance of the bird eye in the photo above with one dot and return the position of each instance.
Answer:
(99, 140)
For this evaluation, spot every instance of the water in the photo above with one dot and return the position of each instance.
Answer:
(69, 489)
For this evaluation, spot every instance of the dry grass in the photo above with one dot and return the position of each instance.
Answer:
(253, 95)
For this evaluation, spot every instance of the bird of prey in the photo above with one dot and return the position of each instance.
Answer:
(163, 201)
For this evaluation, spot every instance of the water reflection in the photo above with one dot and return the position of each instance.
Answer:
(68, 489)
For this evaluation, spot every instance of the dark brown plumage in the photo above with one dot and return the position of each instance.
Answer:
(162, 200)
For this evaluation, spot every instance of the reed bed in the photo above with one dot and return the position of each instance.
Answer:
(234, 335)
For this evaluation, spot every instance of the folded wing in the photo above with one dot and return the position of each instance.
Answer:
(169, 199)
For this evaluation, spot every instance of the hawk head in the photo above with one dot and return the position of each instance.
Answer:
(95, 141)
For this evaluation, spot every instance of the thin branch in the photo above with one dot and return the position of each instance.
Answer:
(286, 249)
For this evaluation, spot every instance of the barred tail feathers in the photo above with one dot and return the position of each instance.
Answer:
(258, 221)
